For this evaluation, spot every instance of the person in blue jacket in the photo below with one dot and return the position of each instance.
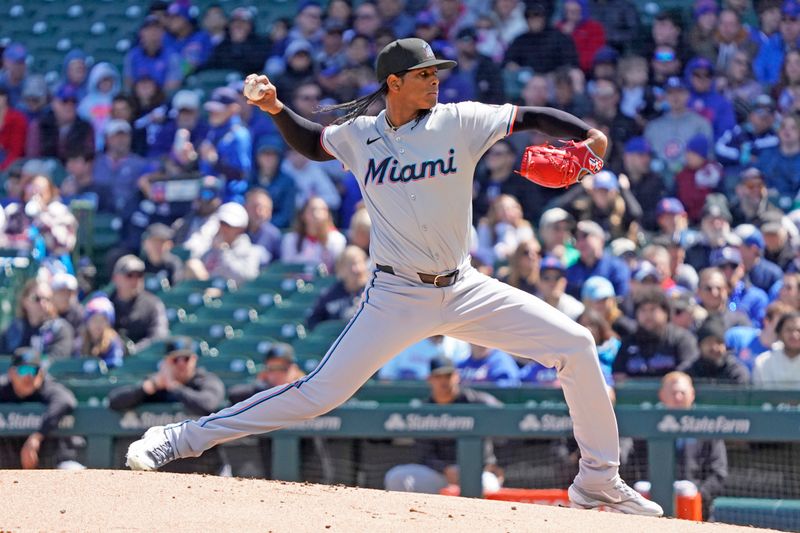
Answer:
(594, 261)
(489, 365)
(705, 99)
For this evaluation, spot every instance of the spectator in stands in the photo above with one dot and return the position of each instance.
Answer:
(125, 107)
(98, 337)
(496, 176)
(415, 362)
(152, 58)
(65, 299)
(781, 164)
(673, 221)
(95, 107)
(522, 271)
(503, 228)
(185, 114)
(597, 293)
(744, 296)
(118, 167)
(192, 43)
(74, 72)
(310, 179)
(489, 365)
(215, 23)
(788, 88)
(738, 84)
(751, 204)
(60, 129)
(698, 178)
(555, 231)
(747, 342)
(715, 232)
(778, 367)
(227, 150)
(739, 148)
(759, 272)
(713, 295)
(705, 99)
(667, 30)
(664, 64)
(315, 239)
(159, 261)
(657, 347)
(38, 325)
(438, 466)
(683, 309)
(594, 261)
(140, 316)
(541, 48)
(605, 338)
(637, 98)
(196, 230)
(777, 246)
(342, 300)
(358, 234)
(279, 185)
(80, 184)
(260, 229)
(670, 133)
(789, 292)
(242, 49)
(620, 20)
(13, 131)
(27, 381)
(769, 21)
(232, 255)
(606, 200)
(280, 368)
(178, 380)
(569, 92)
(587, 34)
(768, 62)
(703, 463)
(716, 364)
(14, 72)
(701, 35)
(605, 97)
(551, 285)
(35, 97)
(480, 70)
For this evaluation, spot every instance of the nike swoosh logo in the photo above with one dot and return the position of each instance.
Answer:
(370, 141)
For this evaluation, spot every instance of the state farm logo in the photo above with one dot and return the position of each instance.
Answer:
(321, 423)
(30, 421)
(704, 424)
(533, 423)
(415, 422)
(134, 420)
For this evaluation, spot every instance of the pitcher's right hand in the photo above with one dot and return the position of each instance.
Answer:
(261, 93)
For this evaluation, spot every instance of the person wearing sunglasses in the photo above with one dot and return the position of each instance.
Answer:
(37, 324)
(140, 316)
(279, 369)
(178, 380)
(27, 381)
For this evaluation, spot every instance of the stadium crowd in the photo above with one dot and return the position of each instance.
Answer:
(682, 255)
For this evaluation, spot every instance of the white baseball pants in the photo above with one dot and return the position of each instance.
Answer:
(396, 313)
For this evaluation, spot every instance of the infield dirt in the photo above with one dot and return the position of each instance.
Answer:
(114, 500)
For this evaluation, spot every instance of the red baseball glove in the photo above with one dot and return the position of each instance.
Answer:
(559, 166)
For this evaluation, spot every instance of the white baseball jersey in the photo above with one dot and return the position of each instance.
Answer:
(417, 180)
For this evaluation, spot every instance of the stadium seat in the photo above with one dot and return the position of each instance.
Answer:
(328, 329)
(210, 331)
(247, 346)
(84, 366)
(240, 368)
(284, 329)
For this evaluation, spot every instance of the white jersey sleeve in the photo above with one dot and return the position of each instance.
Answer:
(483, 124)
(338, 141)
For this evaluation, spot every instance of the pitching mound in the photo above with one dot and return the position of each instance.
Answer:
(111, 500)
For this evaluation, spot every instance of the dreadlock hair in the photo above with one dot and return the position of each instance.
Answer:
(358, 107)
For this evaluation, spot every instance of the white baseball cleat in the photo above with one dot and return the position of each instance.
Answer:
(619, 497)
(150, 452)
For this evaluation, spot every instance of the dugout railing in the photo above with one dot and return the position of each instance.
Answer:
(467, 424)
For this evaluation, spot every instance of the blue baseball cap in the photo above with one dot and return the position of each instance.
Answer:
(67, 92)
(726, 256)
(605, 179)
(790, 9)
(550, 262)
(671, 206)
(645, 270)
(699, 145)
(674, 82)
(15, 53)
(637, 145)
(180, 9)
(750, 235)
(597, 288)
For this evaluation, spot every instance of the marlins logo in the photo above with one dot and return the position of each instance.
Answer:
(428, 52)
(595, 165)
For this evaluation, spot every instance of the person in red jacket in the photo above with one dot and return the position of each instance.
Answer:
(588, 34)
(13, 130)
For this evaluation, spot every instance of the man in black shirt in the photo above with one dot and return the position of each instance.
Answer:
(716, 363)
(541, 48)
(657, 347)
(438, 467)
(141, 316)
(158, 257)
(27, 381)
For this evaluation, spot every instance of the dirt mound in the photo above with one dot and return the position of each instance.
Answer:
(112, 500)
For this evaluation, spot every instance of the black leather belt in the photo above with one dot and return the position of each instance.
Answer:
(437, 280)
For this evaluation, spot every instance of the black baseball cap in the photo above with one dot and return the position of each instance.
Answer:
(407, 54)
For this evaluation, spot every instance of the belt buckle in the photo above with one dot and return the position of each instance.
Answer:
(449, 275)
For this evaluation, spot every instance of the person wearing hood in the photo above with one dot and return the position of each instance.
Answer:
(716, 363)
(13, 130)
(269, 176)
(705, 100)
(699, 177)
(588, 34)
(95, 107)
(152, 58)
(769, 61)
(75, 72)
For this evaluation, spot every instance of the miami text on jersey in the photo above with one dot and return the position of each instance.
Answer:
(406, 173)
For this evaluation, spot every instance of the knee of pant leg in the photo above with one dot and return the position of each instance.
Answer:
(580, 340)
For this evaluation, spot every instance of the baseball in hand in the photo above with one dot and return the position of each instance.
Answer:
(254, 90)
